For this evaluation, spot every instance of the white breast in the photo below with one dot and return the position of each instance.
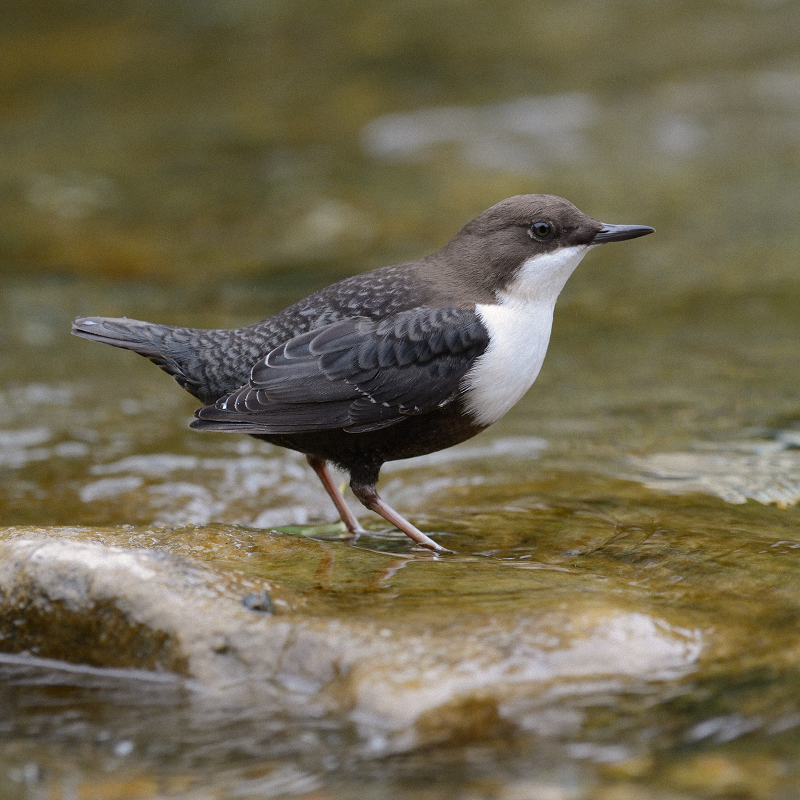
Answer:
(519, 326)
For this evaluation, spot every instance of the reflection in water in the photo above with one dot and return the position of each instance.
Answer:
(530, 133)
(71, 197)
(513, 135)
(766, 471)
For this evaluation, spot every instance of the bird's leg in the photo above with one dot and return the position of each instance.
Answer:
(321, 468)
(366, 492)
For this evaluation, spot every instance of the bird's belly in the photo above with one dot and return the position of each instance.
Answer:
(414, 436)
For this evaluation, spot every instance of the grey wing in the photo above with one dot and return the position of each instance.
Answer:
(356, 374)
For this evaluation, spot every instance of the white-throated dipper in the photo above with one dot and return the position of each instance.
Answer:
(394, 363)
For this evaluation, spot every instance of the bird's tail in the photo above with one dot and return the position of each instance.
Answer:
(175, 350)
(144, 338)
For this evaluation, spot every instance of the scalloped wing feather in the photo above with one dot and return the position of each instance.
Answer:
(355, 374)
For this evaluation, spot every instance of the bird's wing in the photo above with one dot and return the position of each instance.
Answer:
(356, 374)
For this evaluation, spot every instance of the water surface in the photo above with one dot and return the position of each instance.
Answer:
(635, 514)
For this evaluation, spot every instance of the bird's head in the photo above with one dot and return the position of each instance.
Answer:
(528, 245)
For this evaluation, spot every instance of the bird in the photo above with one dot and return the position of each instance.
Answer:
(401, 361)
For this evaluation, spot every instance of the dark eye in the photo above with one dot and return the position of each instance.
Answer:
(541, 230)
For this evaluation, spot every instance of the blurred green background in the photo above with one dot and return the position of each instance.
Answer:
(206, 162)
(197, 143)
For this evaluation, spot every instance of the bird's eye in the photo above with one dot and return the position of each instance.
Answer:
(541, 230)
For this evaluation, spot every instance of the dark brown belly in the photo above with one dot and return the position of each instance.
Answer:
(414, 436)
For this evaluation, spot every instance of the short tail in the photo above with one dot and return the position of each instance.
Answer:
(170, 348)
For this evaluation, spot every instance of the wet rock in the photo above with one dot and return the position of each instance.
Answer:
(403, 681)
(88, 603)
(508, 672)
(259, 601)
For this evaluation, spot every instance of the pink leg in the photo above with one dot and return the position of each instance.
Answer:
(368, 496)
(349, 519)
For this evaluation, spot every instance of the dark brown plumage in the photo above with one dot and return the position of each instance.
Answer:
(389, 364)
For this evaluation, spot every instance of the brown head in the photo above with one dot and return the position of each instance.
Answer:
(488, 253)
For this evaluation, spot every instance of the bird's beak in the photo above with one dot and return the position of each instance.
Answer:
(618, 233)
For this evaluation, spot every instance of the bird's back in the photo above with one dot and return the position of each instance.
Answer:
(212, 363)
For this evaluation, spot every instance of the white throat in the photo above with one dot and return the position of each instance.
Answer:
(519, 326)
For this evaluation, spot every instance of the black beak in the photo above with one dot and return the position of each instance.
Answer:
(618, 233)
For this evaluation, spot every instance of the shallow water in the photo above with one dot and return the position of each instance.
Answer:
(619, 618)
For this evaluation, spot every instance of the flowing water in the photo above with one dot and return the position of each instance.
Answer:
(619, 618)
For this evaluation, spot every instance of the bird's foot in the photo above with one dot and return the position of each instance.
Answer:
(370, 498)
